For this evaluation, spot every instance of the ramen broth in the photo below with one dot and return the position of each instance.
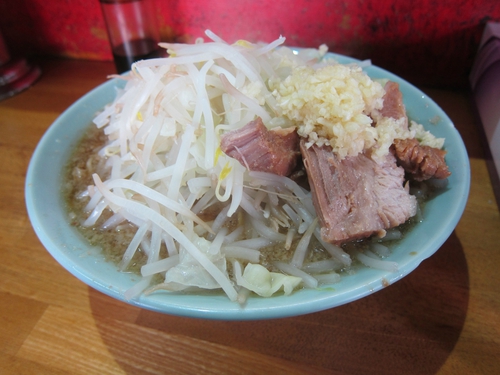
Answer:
(113, 241)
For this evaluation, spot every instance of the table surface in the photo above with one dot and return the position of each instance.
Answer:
(442, 318)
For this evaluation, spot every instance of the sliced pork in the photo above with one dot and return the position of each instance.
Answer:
(393, 106)
(422, 162)
(356, 197)
(259, 149)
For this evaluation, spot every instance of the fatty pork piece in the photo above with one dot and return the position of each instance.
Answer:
(259, 149)
(421, 162)
(356, 197)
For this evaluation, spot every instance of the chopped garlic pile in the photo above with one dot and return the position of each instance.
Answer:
(332, 105)
(425, 137)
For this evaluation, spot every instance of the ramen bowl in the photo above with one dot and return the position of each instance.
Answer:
(49, 218)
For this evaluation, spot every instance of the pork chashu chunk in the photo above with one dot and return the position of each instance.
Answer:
(356, 197)
(393, 103)
(259, 149)
(421, 162)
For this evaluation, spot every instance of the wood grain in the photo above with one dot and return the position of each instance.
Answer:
(443, 318)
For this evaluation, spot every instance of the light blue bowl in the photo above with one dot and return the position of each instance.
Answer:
(49, 219)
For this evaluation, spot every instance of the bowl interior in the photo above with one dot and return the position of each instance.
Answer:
(47, 213)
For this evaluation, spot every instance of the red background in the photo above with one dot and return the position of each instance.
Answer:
(428, 42)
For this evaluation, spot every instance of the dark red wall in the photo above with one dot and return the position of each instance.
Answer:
(429, 42)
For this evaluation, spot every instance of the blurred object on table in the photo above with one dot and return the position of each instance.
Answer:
(132, 30)
(16, 74)
(485, 83)
(432, 44)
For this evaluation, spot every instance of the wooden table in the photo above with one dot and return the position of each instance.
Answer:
(443, 318)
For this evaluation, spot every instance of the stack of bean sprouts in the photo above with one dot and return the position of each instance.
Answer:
(166, 168)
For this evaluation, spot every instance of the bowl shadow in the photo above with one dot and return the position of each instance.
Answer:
(411, 326)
